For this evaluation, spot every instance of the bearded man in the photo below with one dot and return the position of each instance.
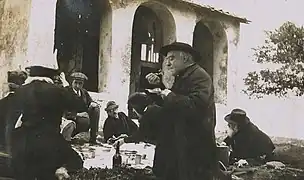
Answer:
(190, 151)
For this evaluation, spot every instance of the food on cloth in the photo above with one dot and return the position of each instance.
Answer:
(122, 173)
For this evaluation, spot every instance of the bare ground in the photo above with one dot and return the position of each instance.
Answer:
(288, 151)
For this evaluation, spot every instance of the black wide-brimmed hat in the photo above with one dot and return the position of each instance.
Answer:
(42, 71)
(237, 116)
(180, 46)
(79, 76)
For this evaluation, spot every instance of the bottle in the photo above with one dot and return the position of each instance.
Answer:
(117, 157)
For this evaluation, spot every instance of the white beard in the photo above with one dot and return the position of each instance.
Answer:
(231, 131)
(168, 76)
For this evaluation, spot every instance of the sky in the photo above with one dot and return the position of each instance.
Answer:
(277, 117)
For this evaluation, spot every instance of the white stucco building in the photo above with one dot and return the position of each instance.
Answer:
(128, 39)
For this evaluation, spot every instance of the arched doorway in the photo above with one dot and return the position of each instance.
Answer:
(203, 42)
(209, 38)
(153, 27)
(77, 35)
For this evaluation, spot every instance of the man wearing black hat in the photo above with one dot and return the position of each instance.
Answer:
(38, 148)
(247, 140)
(117, 123)
(88, 119)
(190, 106)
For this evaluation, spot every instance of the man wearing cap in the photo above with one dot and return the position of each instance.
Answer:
(117, 123)
(88, 119)
(190, 106)
(247, 141)
(38, 148)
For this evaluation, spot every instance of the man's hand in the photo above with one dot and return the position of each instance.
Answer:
(165, 92)
(153, 78)
(111, 140)
(241, 163)
(121, 141)
(122, 136)
(93, 105)
(63, 80)
(62, 173)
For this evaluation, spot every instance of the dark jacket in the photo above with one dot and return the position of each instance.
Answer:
(190, 109)
(116, 127)
(149, 126)
(4, 123)
(38, 148)
(249, 143)
(86, 98)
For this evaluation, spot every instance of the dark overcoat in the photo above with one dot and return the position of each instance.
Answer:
(38, 148)
(250, 143)
(117, 126)
(4, 108)
(189, 152)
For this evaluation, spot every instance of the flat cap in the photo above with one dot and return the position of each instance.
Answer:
(78, 76)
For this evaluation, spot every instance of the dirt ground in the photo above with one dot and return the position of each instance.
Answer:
(288, 151)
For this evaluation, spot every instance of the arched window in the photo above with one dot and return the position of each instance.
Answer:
(146, 41)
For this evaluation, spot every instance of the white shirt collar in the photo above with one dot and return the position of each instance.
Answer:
(77, 92)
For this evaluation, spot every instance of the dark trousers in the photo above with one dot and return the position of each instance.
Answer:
(94, 114)
(37, 152)
(83, 124)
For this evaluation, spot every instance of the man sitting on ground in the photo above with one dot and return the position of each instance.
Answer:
(117, 123)
(247, 141)
(82, 122)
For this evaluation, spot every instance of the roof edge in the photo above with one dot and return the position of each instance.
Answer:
(221, 11)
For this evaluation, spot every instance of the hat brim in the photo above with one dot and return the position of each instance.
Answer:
(42, 71)
(78, 78)
(174, 47)
(230, 120)
(111, 107)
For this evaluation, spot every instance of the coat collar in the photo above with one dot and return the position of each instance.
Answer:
(36, 78)
(187, 71)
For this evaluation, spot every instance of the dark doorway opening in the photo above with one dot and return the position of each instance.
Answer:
(77, 33)
(203, 42)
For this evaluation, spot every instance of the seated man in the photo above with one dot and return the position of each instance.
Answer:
(81, 122)
(247, 141)
(117, 123)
